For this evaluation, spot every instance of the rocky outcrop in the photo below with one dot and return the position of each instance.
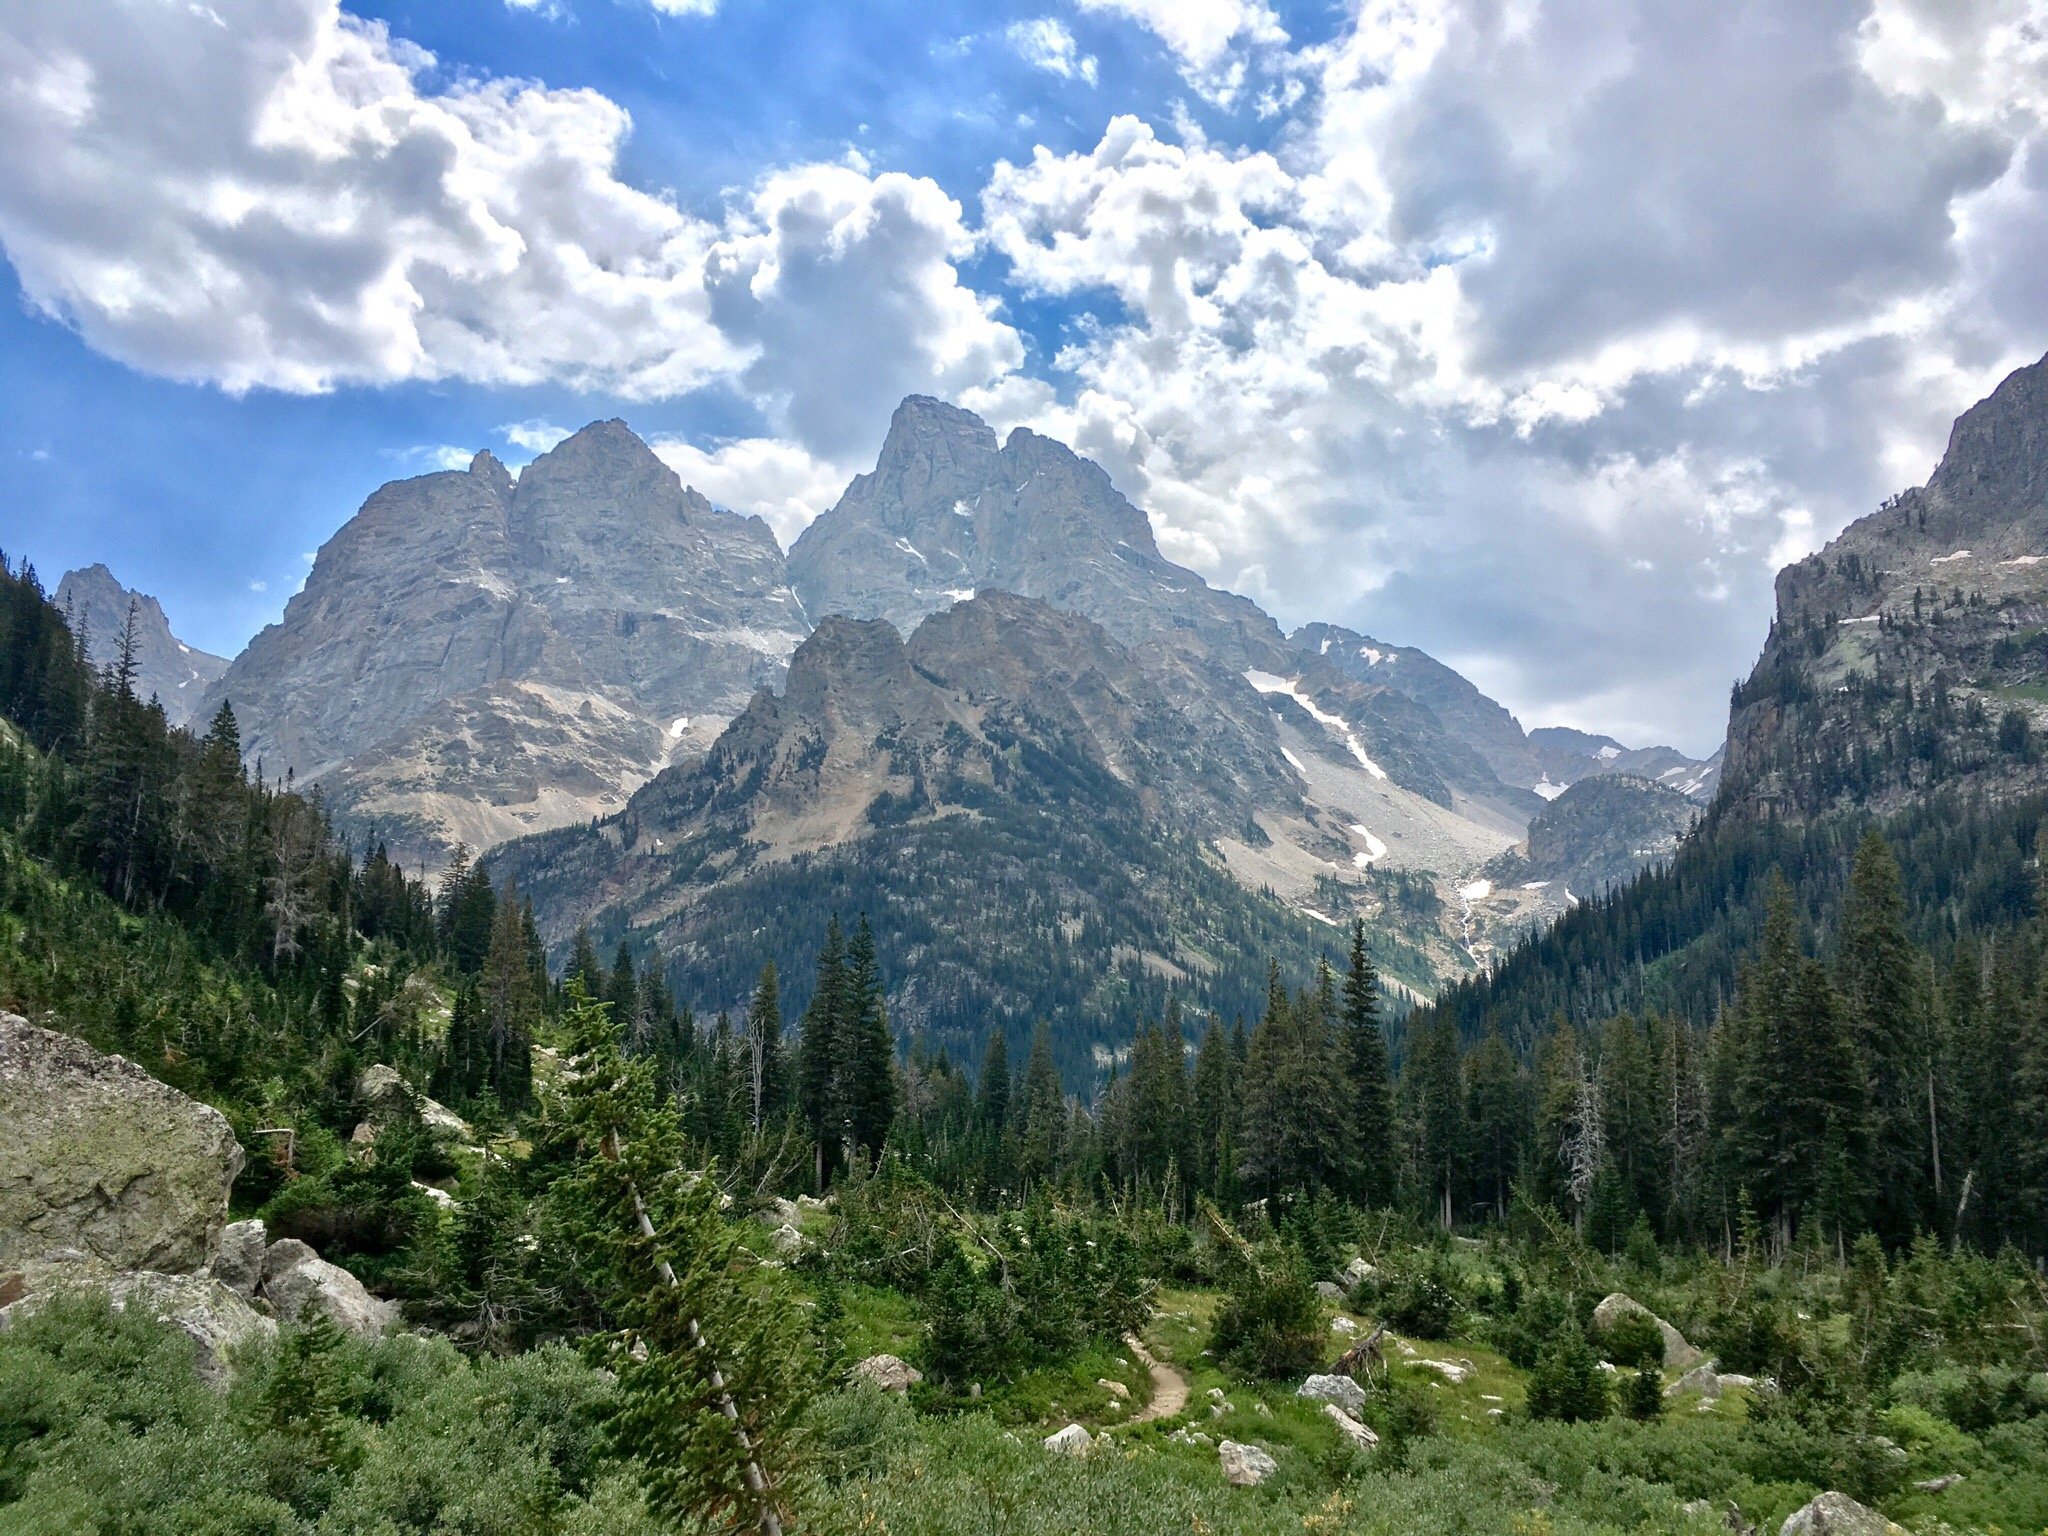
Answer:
(1359, 1434)
(300, 1285)
(1836, 1514)
(100, 1157)
(384, 1096)
(1678, 1354)
(1920, 623)
(115, 1183)
(99, 608)
(1604, 830)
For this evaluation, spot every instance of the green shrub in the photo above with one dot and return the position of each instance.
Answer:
(1271, 1321)
(1631, 1340)
(1643, 1398)
(1568, 1384)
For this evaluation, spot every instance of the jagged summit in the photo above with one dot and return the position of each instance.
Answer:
(474, 656)
(175, 673)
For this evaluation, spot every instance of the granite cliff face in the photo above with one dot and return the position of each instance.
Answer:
(1908, 656)
(165, 667)
(474, 657)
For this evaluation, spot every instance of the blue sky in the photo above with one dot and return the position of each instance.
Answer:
(1534, 334)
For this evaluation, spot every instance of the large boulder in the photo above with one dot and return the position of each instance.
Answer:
(1836, 1514)
(1360, 1435)
(888, 1372)
(1244, 1466)
(1341, 1390)
(299, 1284)
(1678, 1354)
(100, 1157)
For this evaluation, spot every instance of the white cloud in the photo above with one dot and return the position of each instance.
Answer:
(762, 477)
(286, 205)
(449, 456)
(1045, 43)
(535, 437)
(259, 586)
(685, 7)
(843, 287)
(1544, 335)
(1199, 32)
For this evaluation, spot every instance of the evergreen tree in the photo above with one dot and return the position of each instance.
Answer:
(820, 1052)
(1878, 973)
(1372, 1096)
(709, 1355)
(867, 1069)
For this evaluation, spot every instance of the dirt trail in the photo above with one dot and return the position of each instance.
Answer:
(1169, 1387)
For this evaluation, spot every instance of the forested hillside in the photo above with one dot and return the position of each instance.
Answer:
(810, 1281)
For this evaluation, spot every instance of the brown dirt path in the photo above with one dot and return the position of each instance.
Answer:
(1169, 1387)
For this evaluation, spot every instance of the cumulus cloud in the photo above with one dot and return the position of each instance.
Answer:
(535, 437)
(1045, 43)
(844, 289)
(761, 477)
(1546, 334)
(284, 204)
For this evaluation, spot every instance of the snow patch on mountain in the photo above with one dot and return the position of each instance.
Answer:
(1268, 682)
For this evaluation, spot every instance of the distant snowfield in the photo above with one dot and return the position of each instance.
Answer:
(1961, 554)
(1267, 682)
(1548, 790)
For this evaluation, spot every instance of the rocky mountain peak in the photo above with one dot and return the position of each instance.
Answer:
(1998, 449)
(850, 666)
(485, 467)
(174, 672)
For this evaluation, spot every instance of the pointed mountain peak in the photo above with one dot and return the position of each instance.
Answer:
(485, 467)
(165, 666)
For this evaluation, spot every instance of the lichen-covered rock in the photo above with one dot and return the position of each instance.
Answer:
(1702, 1379)
(1329, 1291)
(1341, 1390)
(384, 1096)
(888, 1372)
(1678, 1354)
(1836, 1514)
(787, 1240)
(239, 1263)
(1244, 1466)
(101, 1157)
(298, 1282)
(1071, 1441)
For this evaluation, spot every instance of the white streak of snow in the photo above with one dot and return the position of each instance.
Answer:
(1546, 789)
(1267, 682)
(1961, 554)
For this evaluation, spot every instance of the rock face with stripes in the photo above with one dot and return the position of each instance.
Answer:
(166, 668)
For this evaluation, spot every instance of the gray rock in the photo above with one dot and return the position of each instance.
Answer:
(298, 1283)
(787, 1240)
(239, 1264)
(1356, 1273)
(1360, 1435)
(1940, 1484)
(1341, 1390)
(101, 1157)
(888, 1372)
(214, 1318)
(1329, 1291)
(1244, 1466)
(166, 668)
(1701, 1379)
(1678, 1354)
(553, 628)
(384, 1096)
(1071, 1441)
(1836, 1514)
